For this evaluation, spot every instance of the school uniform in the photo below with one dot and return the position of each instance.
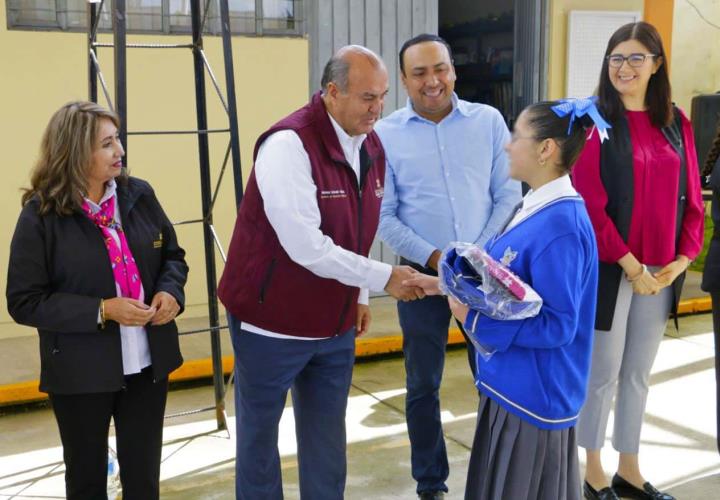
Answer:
(533, 385)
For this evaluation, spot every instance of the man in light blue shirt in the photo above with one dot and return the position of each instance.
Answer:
(446, 180)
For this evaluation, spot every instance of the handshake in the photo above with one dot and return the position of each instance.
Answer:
(398, 287)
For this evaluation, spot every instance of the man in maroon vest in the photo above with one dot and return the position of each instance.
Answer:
(297, 277)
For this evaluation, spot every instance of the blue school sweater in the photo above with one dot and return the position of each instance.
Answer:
(540, 367)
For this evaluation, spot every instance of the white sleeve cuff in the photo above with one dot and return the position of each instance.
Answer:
(364, 297)
(378, 276)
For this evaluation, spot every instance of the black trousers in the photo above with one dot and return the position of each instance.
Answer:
(84, 422)
(716, 331)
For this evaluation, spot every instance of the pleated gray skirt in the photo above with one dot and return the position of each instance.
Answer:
(512, 459)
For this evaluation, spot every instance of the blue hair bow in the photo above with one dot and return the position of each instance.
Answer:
(580, 107)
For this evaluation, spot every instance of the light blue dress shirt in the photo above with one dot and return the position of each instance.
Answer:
(444, 181)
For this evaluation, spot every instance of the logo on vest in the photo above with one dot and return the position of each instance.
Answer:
(379, 191)
(332, 193)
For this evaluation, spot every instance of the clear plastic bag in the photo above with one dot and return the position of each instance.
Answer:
(469, 274)
(113, 475)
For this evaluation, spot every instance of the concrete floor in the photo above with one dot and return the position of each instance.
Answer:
(678, 450)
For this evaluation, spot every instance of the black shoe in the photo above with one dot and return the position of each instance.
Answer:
(607, 493)
(648, 491)
(431, 495)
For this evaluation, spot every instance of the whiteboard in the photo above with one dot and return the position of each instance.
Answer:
(587, 37)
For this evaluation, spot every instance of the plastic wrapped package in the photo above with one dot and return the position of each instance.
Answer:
(469, 274)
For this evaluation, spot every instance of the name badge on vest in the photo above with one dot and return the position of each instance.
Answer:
(158, 242)
(332, 193)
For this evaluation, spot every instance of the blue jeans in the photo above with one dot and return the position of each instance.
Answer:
(424, 325)
(319, 373)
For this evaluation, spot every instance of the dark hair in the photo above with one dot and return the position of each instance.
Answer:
(658, 97)
(425, 37)
(545, 124)
(713, 154)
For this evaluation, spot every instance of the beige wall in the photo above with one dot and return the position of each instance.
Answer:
(42, 70)
(695, 51)
(557, 44)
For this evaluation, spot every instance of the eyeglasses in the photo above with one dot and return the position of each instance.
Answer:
(634, 60)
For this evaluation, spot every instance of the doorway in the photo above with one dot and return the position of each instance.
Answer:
(498, 51)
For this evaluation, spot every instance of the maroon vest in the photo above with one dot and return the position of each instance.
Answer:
(260, 284)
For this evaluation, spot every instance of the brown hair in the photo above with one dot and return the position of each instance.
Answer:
(658, 96)
(713, 154)
(59, 178)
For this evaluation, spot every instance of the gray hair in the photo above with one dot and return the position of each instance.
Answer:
(336, 71)
(337, 68)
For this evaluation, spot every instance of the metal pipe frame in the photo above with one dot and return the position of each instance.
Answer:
(208, 195)
(206, 188)
(231, 100)
(92, 17)
(119, 26)
(180, 132)
(148, 45)
(103, 85)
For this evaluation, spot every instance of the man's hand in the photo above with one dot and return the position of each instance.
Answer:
(128, 312)
(167, 308)
(434, 259)
(667, 274)
(429, 284)
(364, 318)
(459, 310)
(396, 288)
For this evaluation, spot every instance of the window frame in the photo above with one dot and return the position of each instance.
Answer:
(212, 24)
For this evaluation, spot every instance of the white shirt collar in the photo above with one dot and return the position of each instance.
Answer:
(350, 144)
(559, 188)
(110, 190)
(534, 200)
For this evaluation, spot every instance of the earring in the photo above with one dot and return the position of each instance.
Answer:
(541, 161)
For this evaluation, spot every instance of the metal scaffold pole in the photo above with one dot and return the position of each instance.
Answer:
(198, 13)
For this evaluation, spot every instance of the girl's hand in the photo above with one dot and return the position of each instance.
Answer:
(459, 310)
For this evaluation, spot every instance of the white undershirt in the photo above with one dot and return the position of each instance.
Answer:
(535, 200)
(284, 178)
(135, 347)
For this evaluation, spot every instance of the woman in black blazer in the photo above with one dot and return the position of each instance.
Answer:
(711, 273)
(95, 266)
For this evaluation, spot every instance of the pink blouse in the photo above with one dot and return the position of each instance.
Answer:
(656, 168)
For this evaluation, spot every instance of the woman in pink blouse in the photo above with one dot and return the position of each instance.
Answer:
(642, 192)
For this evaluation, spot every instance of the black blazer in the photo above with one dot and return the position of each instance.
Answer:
(58, 272)
(616, 172)
(711, 272)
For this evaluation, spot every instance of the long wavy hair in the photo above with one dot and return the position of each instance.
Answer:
(658, 98)
(59, 178)
(713, 154)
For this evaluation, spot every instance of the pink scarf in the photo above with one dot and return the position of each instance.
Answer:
(122, 262)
